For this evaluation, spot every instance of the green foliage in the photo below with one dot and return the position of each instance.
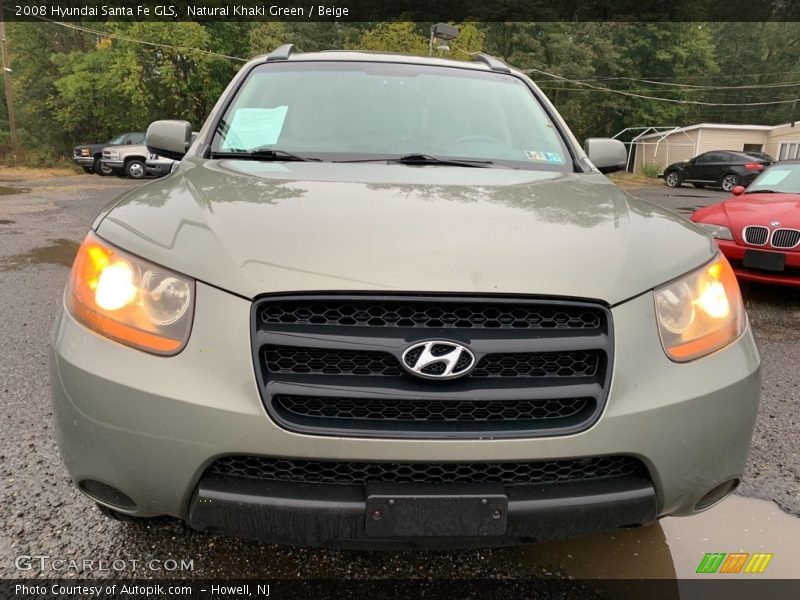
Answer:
(651, 170)
(404, 37)
(71, 86)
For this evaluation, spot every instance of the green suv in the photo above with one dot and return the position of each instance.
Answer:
(389, 301)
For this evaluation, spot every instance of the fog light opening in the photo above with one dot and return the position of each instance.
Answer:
(107, 494)
(717, 494)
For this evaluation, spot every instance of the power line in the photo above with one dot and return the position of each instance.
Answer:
(657, 98)
(145, 42)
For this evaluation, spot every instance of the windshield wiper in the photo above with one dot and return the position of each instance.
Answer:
(761, 192)
(423, 159)
(262, 154)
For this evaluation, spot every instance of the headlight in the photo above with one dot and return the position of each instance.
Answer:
(700, 312)
(85, 152)
(113, 155)
(130, 300)
(717, 231)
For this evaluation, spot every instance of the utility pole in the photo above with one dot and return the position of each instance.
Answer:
(12, 122)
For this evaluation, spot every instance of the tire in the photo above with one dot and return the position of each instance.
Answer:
(101, 169)
(88, 170)
(699, 186)
(730, 181)
(673, 179)
(135, 169)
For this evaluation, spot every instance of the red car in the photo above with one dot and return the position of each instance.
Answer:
(758, 228)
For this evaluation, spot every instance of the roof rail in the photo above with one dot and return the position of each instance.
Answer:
(281, 52)
(495, 64)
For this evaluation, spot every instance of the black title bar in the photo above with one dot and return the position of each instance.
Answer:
(402, 10)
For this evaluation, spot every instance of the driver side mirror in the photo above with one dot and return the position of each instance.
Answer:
(738, 190)
(170, 139)
(606, 154)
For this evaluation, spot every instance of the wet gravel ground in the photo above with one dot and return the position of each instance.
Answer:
(42, 513)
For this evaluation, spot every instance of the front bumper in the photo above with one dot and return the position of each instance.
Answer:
(735, 255)
(84, 161)
(150, 426)
(113, 164)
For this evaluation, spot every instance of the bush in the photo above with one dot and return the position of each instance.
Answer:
(651, 170)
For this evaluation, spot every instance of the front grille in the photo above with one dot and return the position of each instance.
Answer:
(536, 364)
(429, 314)
(426, 410)
(362, 473)
(756, 235)
(292, 359)
(333, 365)
(785, 238)
(301, 360)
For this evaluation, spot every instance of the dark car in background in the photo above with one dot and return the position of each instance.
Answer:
(718, 168)
(90, 156)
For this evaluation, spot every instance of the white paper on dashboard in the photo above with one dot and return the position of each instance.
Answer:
(254, 127)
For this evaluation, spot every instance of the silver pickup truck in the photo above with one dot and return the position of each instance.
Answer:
(135, 162)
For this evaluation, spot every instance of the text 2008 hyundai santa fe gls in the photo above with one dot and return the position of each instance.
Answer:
(388, 301)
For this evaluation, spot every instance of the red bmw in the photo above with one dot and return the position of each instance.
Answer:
(758, 228)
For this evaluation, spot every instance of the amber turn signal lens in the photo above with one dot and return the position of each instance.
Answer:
(700, 312)
(113, 293)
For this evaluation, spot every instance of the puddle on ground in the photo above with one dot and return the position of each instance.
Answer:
(673, 547)
(10, 191)
(59, 252)
(6, 221)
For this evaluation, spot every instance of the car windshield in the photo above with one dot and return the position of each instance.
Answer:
(117, 140)
(783, 178)
(373, 110)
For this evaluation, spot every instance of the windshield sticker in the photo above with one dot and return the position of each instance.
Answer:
(773, 177)
(252, 128)
(543, 156)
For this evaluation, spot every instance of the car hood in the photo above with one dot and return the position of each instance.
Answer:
(763, 209)
(263, 227)
(95, 147)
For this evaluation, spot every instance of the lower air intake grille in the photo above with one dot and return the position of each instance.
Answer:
(361, 473)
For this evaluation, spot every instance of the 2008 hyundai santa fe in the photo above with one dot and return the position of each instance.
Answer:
(389, 301)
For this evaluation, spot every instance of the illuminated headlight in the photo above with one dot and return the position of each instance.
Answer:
(130, 300)
(719, 232)
(700, 312)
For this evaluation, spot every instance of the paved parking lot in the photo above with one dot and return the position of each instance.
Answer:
(41, 224)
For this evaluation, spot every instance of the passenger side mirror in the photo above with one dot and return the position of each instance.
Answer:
(738, 190)
(606, 154)
(170, 139)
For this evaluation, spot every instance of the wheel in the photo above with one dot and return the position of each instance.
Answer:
(730, 181)
(88, 170)
(135, 169)
(673, 179)
(101, 169)
(699, 186)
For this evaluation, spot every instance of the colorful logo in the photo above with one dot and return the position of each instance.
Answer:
(735, 562)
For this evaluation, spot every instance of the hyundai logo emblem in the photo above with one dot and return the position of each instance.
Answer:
(438, 359)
